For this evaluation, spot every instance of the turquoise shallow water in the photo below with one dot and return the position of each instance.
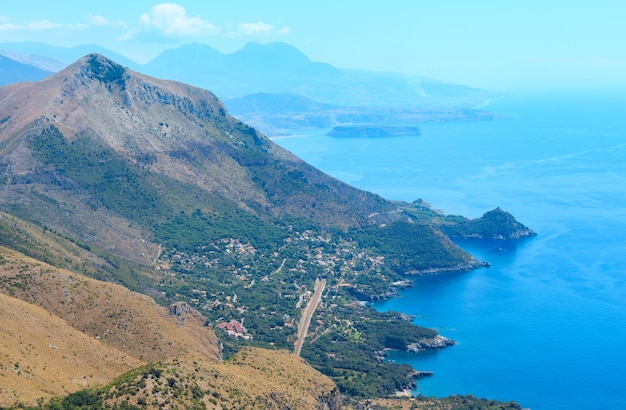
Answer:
(546, 324)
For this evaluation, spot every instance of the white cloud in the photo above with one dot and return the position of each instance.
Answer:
(284, 31)
(96, 20)
(253, 29)
(257, 29)
(38, 25)
(170, 20)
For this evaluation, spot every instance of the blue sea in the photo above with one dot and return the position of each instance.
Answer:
(546, 324)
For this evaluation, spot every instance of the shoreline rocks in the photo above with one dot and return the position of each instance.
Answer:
(436, 343)
(452, 269)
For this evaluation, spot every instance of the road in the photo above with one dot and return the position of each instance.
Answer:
(307, 314)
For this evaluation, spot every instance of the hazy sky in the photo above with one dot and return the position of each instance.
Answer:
(493, 44)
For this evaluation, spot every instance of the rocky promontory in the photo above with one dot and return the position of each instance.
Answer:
(437, 342)
(496, 225)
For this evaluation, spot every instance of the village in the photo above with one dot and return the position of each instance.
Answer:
(234, 283)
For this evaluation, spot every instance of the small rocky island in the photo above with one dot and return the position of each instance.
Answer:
(372, 131)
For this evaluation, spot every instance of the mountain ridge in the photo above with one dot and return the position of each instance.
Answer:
(12, 70)
(279, 68)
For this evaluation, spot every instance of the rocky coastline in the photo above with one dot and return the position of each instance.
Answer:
(453, 269)
(496, 224)
(435, 343)
(393, 290)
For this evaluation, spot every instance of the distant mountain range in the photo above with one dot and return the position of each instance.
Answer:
(275, 87)
(57, 57)
(13, 71)
(281, 68)
(276, 68)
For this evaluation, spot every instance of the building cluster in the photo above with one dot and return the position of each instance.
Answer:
(235, 329)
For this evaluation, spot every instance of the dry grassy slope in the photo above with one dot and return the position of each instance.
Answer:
(42, 355)
(253, 379)
(130, 322)
(90, 332)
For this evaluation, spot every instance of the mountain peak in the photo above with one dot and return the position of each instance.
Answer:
(275, 53)
(98, 67)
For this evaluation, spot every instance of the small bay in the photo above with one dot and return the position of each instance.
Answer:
(546, 324)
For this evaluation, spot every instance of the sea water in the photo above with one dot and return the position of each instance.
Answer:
(546, 324)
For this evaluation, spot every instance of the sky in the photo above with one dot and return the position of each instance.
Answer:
(499, 45)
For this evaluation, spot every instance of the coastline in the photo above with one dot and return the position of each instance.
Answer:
(486, 103)
(435, 343)
(453, 269)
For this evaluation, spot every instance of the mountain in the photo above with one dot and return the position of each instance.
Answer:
(273, 76)
(151, 184)
(276, 68)
(12, 71)
(53, 55)
(41, 62)
(280, 68)
(124, 124)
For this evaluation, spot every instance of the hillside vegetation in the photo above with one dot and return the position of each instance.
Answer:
(150, 185)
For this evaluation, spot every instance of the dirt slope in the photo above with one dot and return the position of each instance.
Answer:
(42, 355)
(125, 320)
